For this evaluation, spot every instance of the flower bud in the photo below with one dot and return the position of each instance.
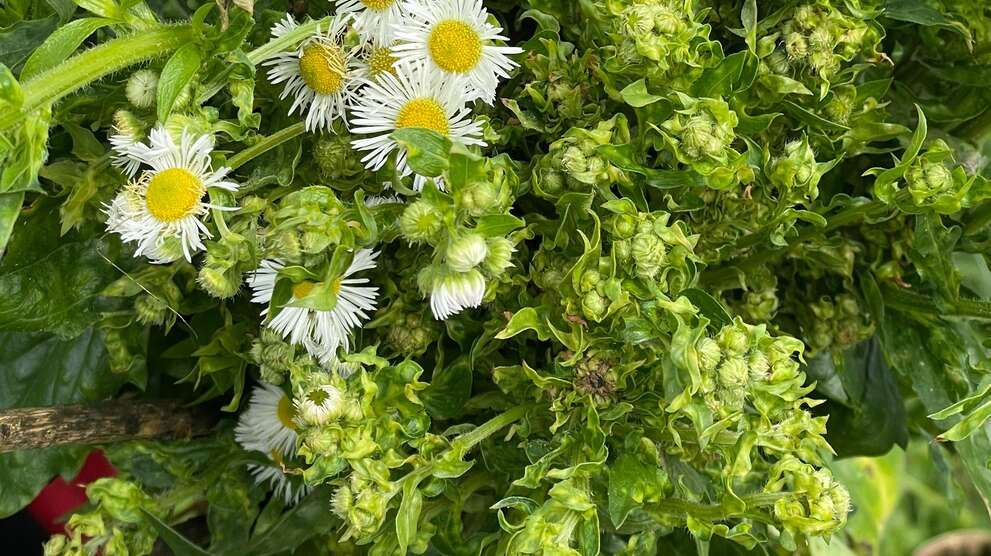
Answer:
(142, 88)
(411, 335)
(733, 340)
(500, 256)
(574, 161)
(795, 46)
(821, 39)
(128, 125)
(552, 182)
(624, 225)
(321, 440)
(151, 310)
(335, 157)
(478, 198)
(594, 306)
(709, 353)
(466, 252)
(421, 222)
(589, 280)
(319, 405)
(341, 502)
(733, 373)
(759, 366)
(217, 283)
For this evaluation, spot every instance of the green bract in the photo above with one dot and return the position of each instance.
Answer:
(573, 277)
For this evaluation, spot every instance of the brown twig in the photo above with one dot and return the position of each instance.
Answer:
(101, 423)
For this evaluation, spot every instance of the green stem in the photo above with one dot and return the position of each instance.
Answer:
(468, 440)
(911, 302)
(95, 63)
(260, 54)
(678, 507)
(265, 144)
(851, 215)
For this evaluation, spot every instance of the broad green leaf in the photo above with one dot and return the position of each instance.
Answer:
(974, 273)
(61, 44)
(295, 527)
(449, 390)
(51, 284)
(622, 157)
(177, 543)
(708, 306)
(637, 96)
(19, 40)
(971, 422)
(874, 418)
(25, 472)
(875, 486)
(408, 514)
(748, 16)
(720, 80)
(925, 15)
(426, 150)
(810, 119)
(175, 76)
(498, 225)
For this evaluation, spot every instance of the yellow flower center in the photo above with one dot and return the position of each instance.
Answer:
(286, 413)
(455, 46)
(322, 68)
(381, 61)
(423, 112)
(378, 4)
(173, 194)
(302, 289)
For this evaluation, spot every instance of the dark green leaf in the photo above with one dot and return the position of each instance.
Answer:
(921, 13)
(10, 209)
(20, 39)
(710, 307)
(874, 419)
(175, 76)
(426, 150)
(180, 545)
(60, 44)
(296, 526)
(450, 388)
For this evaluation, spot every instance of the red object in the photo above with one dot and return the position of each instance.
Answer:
(60, 497)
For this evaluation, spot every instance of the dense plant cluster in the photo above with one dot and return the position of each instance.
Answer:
(515, 277)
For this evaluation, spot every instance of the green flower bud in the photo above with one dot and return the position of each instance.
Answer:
(824, 62)
(320, 440)
(342, 502)
(421, 222)
(624, 225)
(574, 161)
(466, 252)
(500, 256)
(127, 124)
(314, 241)
(822, 39)
(928, 179)
(796, 46)
(623, 249)
(478, 198)
(709, 353)
(151, 310)
(411, 334)
(335, 157)
(142, 88)
(87, 524)
(805, 17)
(589, 280)
(55, 545)
(778, 63)
(759, 366)
(733, 340)
(649, 253)
(217, 283)
(552, 182)
(252, 204)
(594, 306)
(796, 169)
(733, 373)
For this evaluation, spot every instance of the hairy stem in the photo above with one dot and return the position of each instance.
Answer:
(265, 144)
(95, 63)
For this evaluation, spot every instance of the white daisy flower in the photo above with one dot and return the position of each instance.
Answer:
(320, 332)
(413, 97)
(455, 38)
(376, 59)
(120, 144)
(373, 19)
(166, 202)
(267, 426)
(320, 404)
(320, 74)
(454, 292)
